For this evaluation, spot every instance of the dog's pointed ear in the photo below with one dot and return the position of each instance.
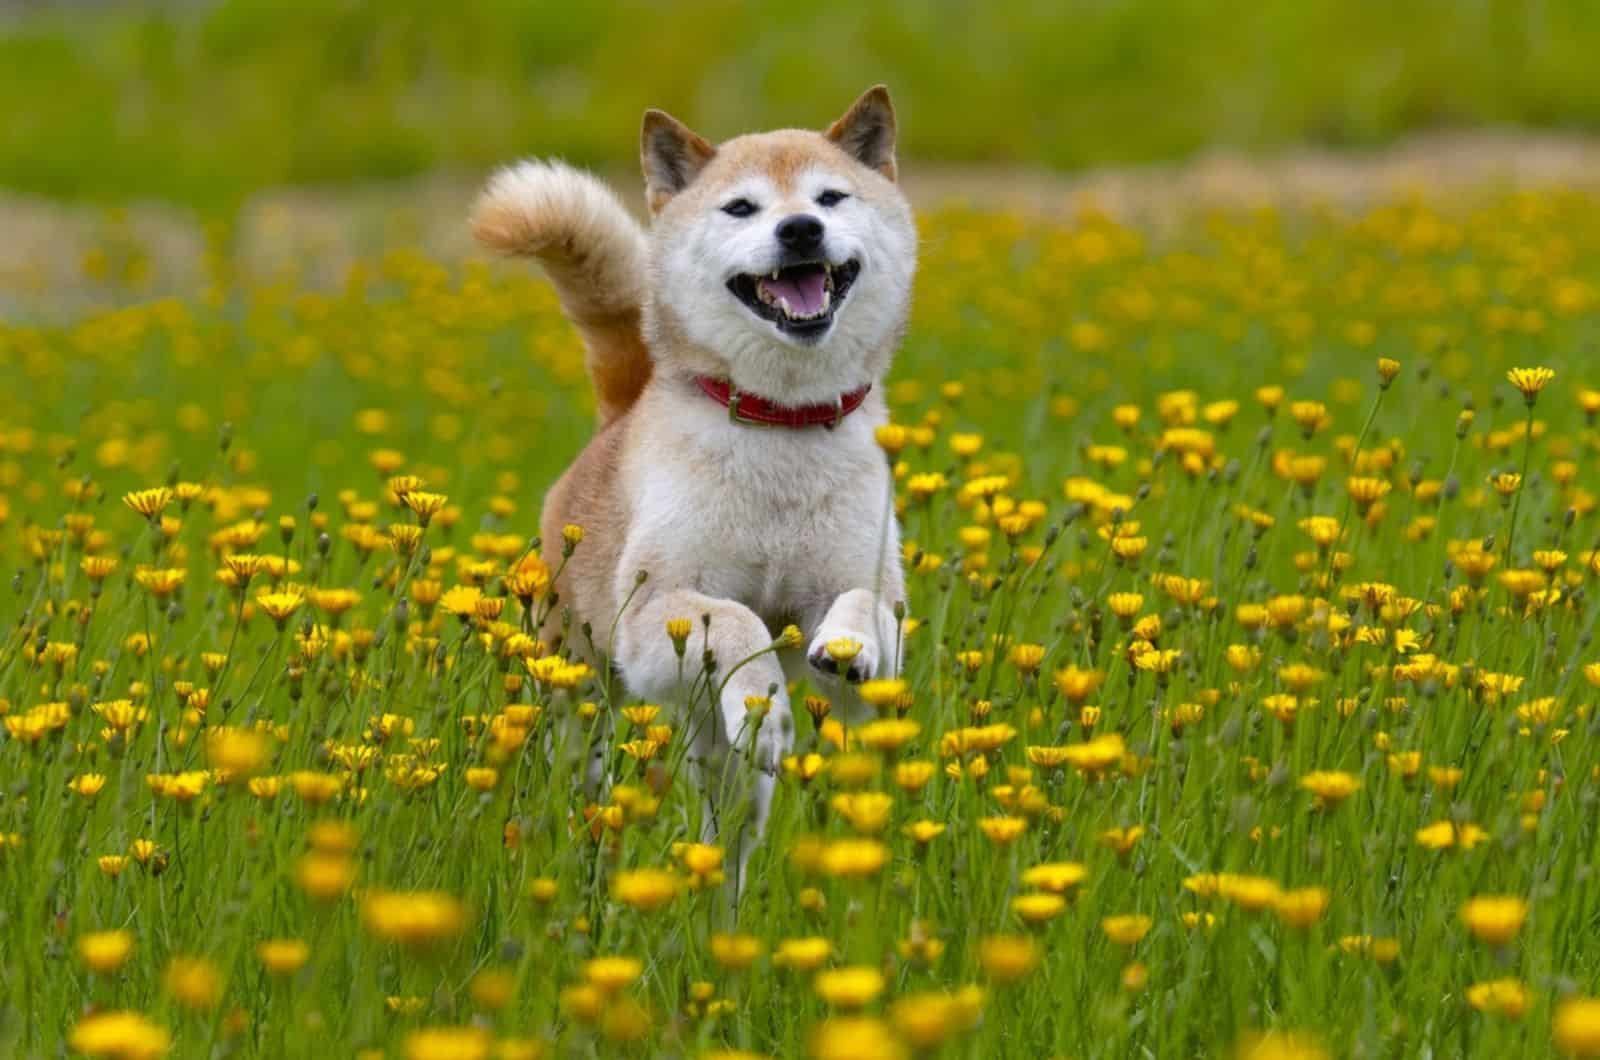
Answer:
(866, 132)
(672, 154)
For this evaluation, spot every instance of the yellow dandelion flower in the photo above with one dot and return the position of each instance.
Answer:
(1529, 381)
(1494, 919)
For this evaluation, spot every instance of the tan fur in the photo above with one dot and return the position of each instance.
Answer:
(595, 255)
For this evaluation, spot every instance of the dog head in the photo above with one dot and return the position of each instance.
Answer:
(781, 260)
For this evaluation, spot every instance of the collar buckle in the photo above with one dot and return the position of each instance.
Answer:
(734, 397)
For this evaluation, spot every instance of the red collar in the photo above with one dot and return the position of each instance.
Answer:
(748, 408)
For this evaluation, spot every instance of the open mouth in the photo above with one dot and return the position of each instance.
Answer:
(800, 299)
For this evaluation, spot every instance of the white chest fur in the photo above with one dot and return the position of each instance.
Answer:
(778, 519)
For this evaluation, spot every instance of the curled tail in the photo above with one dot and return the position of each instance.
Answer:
(595, 254)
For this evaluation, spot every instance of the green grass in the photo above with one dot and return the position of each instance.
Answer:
(268, 396)
(204, 106)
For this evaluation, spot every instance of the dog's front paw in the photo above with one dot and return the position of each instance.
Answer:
(847, 652)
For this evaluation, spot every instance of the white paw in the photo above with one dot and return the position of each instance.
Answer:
(865, 665)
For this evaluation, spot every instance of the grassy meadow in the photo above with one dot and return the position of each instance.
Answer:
(204, 103)
(1248, 706)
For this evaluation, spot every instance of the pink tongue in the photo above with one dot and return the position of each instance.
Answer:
(802, 290)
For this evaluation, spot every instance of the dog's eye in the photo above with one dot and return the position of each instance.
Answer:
(831, 198)
(739, 208)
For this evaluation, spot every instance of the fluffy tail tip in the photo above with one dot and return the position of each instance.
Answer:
(534, 207)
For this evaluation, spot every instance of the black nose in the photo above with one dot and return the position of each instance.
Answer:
(800, 233)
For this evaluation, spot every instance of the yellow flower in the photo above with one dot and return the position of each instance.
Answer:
(461, 600)
(425, 505)
(282, 956)
(610, 974)
(1441, 835)
(1494, 919)
(1038, 907)
(448, 1043)
(1303, 906)
(1076, 684)
(867, 811)
(842, 649)
(1577, 1026)
(193, 982)
(1506, 997)
(925, 1020)
(413, 918)
(1505, 483)
(1002, 830)
(87, 784)
(891, 437)
(1331, 787)
(148, 503)
(1127, 929)
(850, 987)
(1248, 892)
(1280, 1045)
(735, 951)
(645, 889)
(315, 788)
(914, 775)
(98, 568)
(105, 951)
(1530, 381)
(492, 990)
(1026, 657)
(482, 778)
(332, 836)
(279, 606)
(854, 858)
(887, 734)
(238, 752)
(1382, 950)
(120, 1035)
(802, 954)
(1122, 840)
(1366, 490)
(1311, 416)
(1007, 958)
(160, 583)
(883, 692)
(1057, 877)
(854, 1038)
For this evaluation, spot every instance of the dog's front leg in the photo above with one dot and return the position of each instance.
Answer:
(746, 670)
(865, 618)
(740, 746)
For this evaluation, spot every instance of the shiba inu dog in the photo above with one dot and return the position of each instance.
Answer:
(737, 350)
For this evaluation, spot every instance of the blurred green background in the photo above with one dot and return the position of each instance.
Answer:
(202, 104)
